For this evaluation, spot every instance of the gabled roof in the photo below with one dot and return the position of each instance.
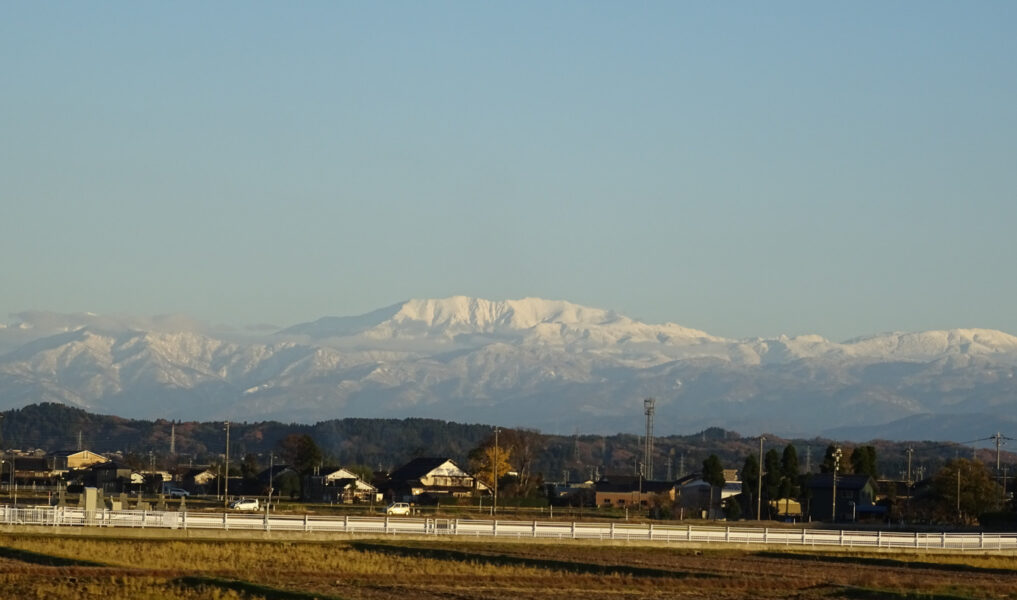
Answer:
(421, 467)
(273, 472)
(358, 484)
(197, 471)
(844, 482)
(332, 473)
(73, 452)
(630, 483)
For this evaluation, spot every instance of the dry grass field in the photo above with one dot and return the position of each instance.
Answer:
(53, 567)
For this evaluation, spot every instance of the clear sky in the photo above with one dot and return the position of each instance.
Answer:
(745, 168)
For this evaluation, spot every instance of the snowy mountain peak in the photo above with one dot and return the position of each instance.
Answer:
(536, 320)
(479, 314)
(523, 361)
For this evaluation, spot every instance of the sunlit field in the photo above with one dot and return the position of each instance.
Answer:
(44, 566)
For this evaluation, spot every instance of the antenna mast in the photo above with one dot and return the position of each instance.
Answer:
(648, 441)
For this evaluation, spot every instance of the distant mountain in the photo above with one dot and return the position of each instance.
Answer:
(547, 364)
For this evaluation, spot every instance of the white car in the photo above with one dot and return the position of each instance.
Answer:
(175, 492)
(398, 508)
(244, 504)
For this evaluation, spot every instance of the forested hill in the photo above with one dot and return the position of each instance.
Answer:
(387, 443)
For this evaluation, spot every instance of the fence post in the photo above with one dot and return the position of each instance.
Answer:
(879, 539)
(727, 534)
(942, 538)
(803, 535)
(688, 533)
(183, 519)
(494, 527)
(534, 529)
(612, 531)
(766, 535)
(225, 522)
(573, 530)
(650, 532)
(841, 537)
(981, 540)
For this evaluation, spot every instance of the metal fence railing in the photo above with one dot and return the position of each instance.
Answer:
(77, 517)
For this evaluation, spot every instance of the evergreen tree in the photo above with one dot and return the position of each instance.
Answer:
(863, 461)
(771, 474)
(713, 474)
(750, 481)
(789, 476)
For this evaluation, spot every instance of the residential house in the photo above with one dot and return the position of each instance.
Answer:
(200, 480)
(68, 460)
(29, 470)
(626, 491)
(428, 479)
(700, 499)
(334, 484)
(855, 497)
(114, 478)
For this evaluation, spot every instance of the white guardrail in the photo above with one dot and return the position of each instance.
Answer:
(76, 517)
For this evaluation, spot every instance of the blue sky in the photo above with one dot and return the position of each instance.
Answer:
(745, 168)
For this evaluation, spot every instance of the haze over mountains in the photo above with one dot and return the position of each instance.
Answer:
(551, 365)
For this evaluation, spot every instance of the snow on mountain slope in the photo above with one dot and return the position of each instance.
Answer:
(528, 362)
(928, 345)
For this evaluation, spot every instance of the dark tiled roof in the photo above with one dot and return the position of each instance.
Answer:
(629, 483)
(32, 463)
(417, 468)
(845, 482)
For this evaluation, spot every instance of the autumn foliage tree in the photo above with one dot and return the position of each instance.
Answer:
(517, 450)
(978, 492)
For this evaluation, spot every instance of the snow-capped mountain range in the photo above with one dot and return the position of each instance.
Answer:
(551, 365)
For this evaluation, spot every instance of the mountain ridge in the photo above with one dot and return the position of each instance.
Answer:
(530, 362)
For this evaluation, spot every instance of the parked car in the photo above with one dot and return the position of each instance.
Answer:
(244, 504)
(175, 492)
(398, 508)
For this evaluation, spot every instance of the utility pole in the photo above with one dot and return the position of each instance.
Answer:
(669, 472)
(271, 474)
(494, 473)
(648, 409)
(759, 481)
(808, 459)
(998, 437)
(226, 475)
(79, 440)
(910, 452)
(836, 466)
(173, 439)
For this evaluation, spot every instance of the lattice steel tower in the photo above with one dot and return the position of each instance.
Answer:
(648, 440)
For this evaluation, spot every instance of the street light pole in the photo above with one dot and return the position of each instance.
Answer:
(271, 474)
(836, 465)
(494, 473)
(226, 475)
(759, 481)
